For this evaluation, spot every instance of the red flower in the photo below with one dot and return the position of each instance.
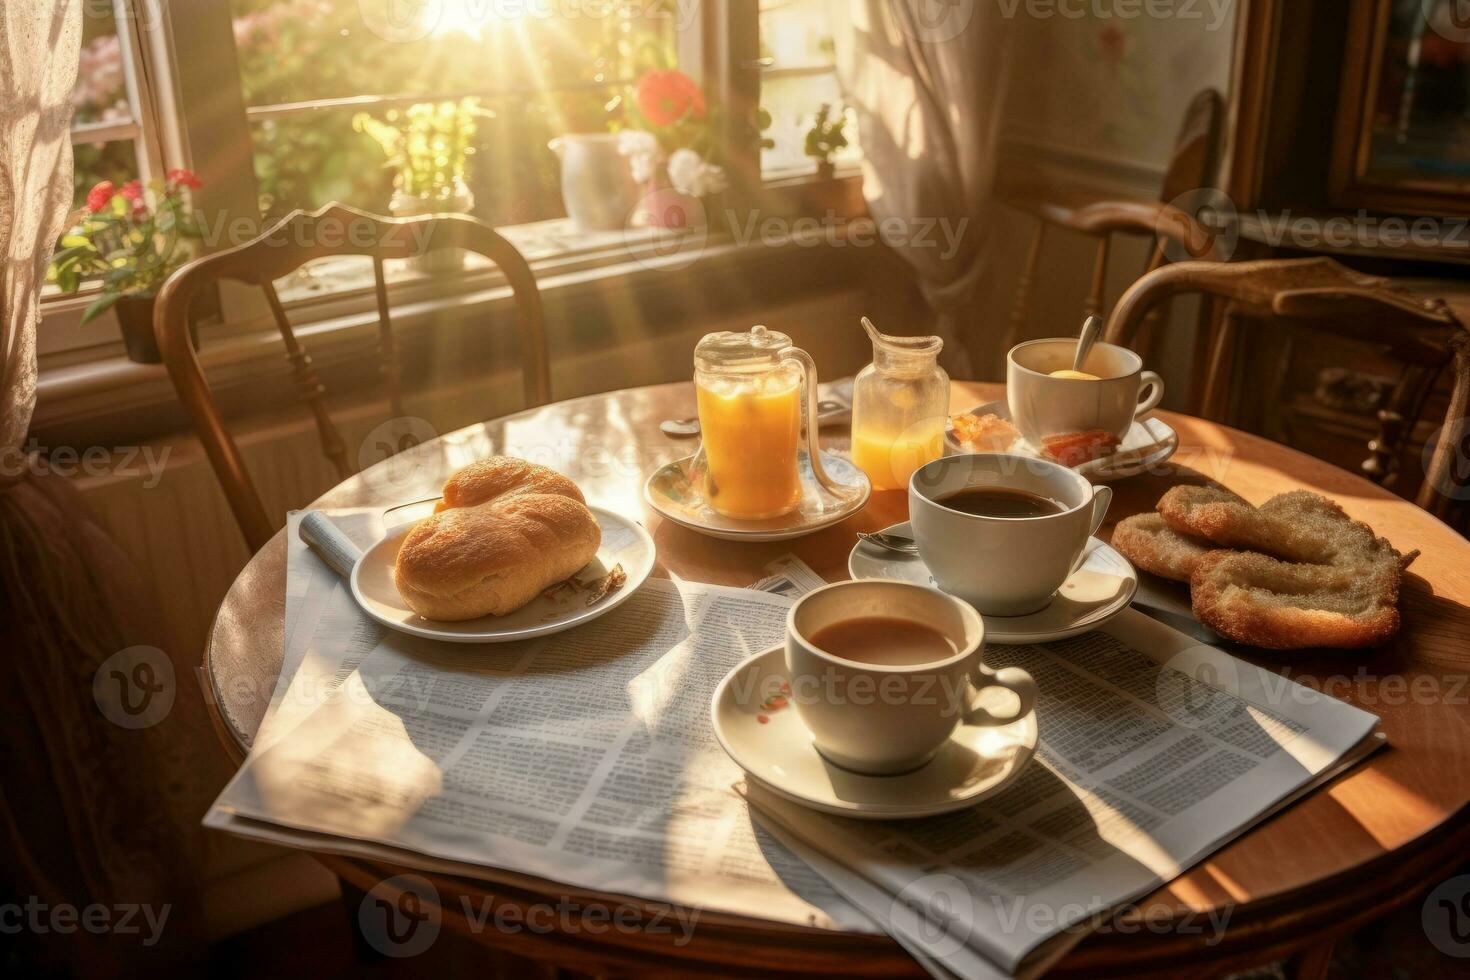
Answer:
(99, 195)
(665, 97)
(132, 190)
(1113, 43)
(185, 178)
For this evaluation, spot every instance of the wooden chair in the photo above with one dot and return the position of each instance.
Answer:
(1191, 170)
(1421, 330)
(282, 249)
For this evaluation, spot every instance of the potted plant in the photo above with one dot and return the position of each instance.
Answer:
(669, 143)
(427, 146)
(129, 238)
(825, 138)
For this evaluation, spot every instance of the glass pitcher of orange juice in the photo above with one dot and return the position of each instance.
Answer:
(899, 406)
(754, 390)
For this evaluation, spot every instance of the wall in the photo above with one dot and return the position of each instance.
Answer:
(1093, 111)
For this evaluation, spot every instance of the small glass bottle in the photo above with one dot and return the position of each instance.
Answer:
(899, 406)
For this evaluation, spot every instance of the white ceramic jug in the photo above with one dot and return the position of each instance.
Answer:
(596, 184)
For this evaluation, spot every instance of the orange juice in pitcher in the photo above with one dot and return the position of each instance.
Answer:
(753, 390)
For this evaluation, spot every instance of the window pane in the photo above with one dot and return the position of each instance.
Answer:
(101, 94)
(797, 36)
(554, 68)
(95, 162)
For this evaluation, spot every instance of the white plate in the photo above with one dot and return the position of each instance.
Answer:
(1099, 590)
(1148, 443)
(778, 753)
(624, 542)
(673, 492)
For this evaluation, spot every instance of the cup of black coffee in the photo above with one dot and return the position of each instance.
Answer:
(1003, 532)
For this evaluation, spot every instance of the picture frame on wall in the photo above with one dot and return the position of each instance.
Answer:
(1402, 138)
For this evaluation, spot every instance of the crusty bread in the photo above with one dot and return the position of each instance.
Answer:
(1295, 572)
(1280, 605)
(505, 531)
(1154, 546)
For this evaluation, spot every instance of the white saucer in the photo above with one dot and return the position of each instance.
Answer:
(673, 492)
(1148, 443)
(1091, 596)
(624, 542)
(778, 753)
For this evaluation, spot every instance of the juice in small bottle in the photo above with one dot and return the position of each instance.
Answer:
(899, 406)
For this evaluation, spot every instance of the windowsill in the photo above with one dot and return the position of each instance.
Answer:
(92, 383)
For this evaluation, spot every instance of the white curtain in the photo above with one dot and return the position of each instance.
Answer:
(39, 45)
(99, 812)
(927, 79)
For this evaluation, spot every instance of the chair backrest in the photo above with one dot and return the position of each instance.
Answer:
(1419, 329)
(282, 249)
(1191, 168)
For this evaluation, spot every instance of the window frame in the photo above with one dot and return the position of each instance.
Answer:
(185, 117)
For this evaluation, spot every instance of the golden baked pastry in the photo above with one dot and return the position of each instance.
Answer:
(984, 433)
(1153, 546)
(505, 530)
(1295, 572)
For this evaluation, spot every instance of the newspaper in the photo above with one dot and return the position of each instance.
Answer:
(1144, 769)
(586, 758)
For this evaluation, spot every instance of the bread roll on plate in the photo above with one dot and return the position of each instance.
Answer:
(505, 531)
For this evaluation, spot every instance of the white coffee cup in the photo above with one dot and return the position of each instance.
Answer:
(1000, 565)
(1043, 406)
(882, 719)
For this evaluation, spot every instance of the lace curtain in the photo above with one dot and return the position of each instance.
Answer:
(91, 812)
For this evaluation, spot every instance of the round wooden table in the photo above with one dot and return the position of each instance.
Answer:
(1350, 852)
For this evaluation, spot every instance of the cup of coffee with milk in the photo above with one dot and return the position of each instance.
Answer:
(1048, 397)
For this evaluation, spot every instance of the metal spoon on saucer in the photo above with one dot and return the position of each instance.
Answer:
(890, 542)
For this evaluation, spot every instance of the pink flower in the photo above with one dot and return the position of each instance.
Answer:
(99, 195)
(132, 190)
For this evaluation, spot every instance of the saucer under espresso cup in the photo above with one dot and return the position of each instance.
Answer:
(757, 725)
(1043, 406)
(887, 707)
(1003, 566)
(1101, 587)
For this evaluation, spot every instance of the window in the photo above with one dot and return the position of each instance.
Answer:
(166, 85)
(112, 134)
(799, 77)
(535, 71)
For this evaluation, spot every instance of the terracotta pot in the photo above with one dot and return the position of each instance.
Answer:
(667, 208)
(135, 317)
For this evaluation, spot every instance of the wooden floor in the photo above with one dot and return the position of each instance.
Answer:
(318, 944)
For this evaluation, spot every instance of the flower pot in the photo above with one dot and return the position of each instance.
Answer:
(596, 184)
(135, 317)
(443, 261)
(666, 208)
(826, 170)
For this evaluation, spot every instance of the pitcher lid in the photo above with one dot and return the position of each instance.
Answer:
(742, 350)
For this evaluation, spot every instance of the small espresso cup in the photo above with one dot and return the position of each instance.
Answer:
(880, 719)
(1043, 406)
(1003, 566)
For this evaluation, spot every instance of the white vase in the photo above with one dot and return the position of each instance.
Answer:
(442, 261)
(596, 184)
